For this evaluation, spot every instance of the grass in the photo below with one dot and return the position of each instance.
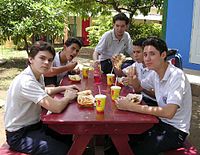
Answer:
(15, 63)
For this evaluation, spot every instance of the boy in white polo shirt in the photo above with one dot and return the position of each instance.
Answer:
(113, 42)
(26, 97)
(173, 95)
(63, 62)
(139, 69)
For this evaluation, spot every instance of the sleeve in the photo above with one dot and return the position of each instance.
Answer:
(102, 44)
(130, 45)
(31, 90)
(177, 89)
(148, 82)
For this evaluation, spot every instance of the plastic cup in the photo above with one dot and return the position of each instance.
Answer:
(97, 78)
(115, 92)
(85, 71)
(100, 102)
(110, 79)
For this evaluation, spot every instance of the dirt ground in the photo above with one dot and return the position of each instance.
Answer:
(195, 123)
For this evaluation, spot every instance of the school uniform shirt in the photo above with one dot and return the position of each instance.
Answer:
(142, 72)
(109, 45)
(174, 88)
(57, 63)
(21, 107)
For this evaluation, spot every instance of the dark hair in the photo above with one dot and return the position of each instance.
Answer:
(41, 46)
(139, 42)
(121, 16)
(158, 43)
(73, 40)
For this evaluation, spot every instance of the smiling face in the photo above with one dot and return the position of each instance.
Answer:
(69, 52)
(120, 27)
(152, 57)
(41, 63)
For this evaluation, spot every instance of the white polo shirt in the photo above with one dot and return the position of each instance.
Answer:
(21, 107)
(142, 72)
(57, 63)
(109, 45)
(174, 88)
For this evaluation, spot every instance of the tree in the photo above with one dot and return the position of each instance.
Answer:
(94, 7)
(23, 18)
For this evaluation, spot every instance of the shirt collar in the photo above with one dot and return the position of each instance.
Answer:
(114, 37)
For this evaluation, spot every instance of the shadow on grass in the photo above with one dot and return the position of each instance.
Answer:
(20, 63)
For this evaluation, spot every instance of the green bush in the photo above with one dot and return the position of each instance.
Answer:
(98, 28)
(137, 31)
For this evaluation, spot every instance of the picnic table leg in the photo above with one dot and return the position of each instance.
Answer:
(121, 144)
(79, 144)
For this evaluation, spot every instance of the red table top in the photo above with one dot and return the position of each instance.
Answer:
(76, 120)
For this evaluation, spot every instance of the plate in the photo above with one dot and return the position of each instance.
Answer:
(75, 78)
(134, 98)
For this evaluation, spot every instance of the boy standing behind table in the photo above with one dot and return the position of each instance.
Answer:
(174, 98)
(63, 62)
(112, 43)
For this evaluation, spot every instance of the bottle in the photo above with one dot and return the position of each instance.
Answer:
(97, 74)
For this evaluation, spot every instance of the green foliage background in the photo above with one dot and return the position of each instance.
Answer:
(104, 23)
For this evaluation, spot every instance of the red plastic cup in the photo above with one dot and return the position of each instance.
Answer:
(97, 78)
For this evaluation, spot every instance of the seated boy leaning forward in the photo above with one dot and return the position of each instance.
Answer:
(113, 42)
(139, 70)
(26, 97)
(173, 95)
(63, 62)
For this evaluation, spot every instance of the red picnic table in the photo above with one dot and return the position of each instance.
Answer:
(84, 123)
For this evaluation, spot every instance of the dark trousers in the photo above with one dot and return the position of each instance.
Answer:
(106, 66)
(160, 138)
(38, 139)
(50, 81)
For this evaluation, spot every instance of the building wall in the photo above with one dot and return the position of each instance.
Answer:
(178, 29)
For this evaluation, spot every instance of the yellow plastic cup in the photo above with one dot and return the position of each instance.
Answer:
(110, 79)
(85, 71)
(115, 92)
(100, 102)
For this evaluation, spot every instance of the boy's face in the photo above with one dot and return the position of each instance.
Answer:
(71, 51)
(119, 27)
(138, 54)
(152, 57)
(42, 62)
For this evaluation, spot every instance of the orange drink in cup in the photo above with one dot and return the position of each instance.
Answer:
(85, 71)
(110, 79)
(115, 92)
(100, 102)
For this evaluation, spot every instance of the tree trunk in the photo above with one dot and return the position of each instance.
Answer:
(26, 44)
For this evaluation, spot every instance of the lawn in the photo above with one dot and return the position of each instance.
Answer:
(15, 63)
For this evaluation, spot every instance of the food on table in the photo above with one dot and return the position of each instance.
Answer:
(85, 98)
(74, 77)
(120, 80)
(118, 60)
(134, 98)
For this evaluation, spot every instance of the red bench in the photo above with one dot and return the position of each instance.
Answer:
(187, 149)
(4, 150)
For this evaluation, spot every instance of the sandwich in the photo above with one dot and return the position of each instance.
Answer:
(118, 60)
(134, 98)
(85, 98)
(75, 77)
